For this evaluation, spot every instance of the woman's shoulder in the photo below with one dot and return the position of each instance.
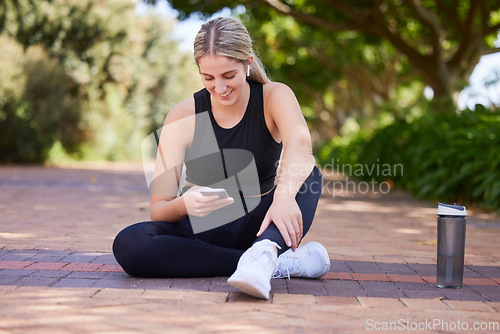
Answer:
(276, 92)
(179, 125)
(181, 110)
(276, 89)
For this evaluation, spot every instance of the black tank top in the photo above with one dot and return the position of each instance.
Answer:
(248, 140)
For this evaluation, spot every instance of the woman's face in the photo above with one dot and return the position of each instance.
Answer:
(223, 77)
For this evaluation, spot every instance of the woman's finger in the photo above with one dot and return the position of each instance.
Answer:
(298, 234)
(301, 228)
(293, 231)
(208, 199)
(219, 202)
(282, 227)
(264, 225)
(219, 205)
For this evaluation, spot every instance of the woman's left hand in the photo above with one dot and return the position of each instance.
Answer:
(287, 217)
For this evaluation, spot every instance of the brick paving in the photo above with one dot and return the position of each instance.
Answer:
(100, 270)
(58, 275)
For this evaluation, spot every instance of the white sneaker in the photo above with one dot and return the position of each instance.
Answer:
(308, 261)
(255, 268)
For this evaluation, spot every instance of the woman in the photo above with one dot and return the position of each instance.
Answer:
(254, 125)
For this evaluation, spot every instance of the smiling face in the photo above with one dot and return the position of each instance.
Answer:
(224, 78)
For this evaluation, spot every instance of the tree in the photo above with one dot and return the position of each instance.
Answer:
(441, 39)
(333, 77)
(90, 77)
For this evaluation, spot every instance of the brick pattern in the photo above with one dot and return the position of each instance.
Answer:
(34, 299)
(349, 281)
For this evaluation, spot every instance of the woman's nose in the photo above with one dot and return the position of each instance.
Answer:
(220, 87)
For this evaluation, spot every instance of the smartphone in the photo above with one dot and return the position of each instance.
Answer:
(209, 192)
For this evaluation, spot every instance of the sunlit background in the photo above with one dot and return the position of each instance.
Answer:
(89, 80)
(483, 87)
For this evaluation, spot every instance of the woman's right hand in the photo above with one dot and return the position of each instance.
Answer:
(199, 205)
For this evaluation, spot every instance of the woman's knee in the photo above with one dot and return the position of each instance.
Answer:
(313, 185)
(126, 246)
(308, 198)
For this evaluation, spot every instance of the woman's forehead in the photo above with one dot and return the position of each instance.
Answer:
(211, 64)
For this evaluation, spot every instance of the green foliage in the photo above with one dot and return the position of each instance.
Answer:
(444, 156)
(334, 75)
(34, 101)
(85, 79)
(347, 58)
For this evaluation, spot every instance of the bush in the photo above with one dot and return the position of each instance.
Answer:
(449, 157)
(86, 80)
(36, 108)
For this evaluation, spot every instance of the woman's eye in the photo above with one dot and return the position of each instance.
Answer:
(227, 78)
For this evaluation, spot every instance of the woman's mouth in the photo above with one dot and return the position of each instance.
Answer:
(226, 95)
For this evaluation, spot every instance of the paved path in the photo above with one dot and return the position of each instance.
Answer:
(57, 273)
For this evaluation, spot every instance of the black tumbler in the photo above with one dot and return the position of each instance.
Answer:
(451, 224)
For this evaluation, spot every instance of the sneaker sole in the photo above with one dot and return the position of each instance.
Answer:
(247, 288)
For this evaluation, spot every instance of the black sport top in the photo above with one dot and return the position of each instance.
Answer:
(248, 140)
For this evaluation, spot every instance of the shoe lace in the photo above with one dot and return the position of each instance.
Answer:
(287, 265)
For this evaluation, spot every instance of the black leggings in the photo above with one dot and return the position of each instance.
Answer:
(164, 249)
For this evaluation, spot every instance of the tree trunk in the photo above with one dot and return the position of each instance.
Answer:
(440, 84)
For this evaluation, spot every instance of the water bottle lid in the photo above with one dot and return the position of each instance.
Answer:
(451, 210)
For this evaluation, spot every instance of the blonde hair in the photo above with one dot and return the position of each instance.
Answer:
(228, 37)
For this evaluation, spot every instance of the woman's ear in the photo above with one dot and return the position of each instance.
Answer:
(250, 61)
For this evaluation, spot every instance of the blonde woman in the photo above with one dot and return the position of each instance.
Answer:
(235, 133)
